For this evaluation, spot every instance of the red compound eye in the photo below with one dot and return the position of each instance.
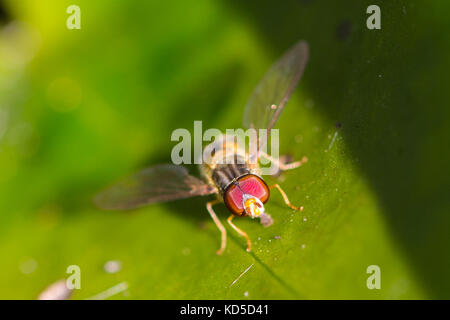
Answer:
(250, 184)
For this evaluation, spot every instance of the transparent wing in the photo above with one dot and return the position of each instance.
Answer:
(271, 95)
(160, 183)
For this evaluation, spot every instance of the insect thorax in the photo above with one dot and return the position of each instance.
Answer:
(224, 162)
(225, 174)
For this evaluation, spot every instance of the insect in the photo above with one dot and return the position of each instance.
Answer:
(238, 183)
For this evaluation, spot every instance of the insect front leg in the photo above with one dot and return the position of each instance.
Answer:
(284, 166)
(242, 233)
(286, 199)
(219, 225)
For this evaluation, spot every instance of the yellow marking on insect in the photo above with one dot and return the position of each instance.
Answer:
(252, 207)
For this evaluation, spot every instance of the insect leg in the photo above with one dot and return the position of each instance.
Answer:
(286, 200)
(242, 233)
(285, 166)
(219, 225)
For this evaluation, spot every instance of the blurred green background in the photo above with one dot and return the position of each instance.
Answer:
(80, 109)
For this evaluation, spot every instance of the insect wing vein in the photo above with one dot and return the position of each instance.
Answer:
(160, 183)
(269, 98)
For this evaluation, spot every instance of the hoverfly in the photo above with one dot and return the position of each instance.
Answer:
(238, 184)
